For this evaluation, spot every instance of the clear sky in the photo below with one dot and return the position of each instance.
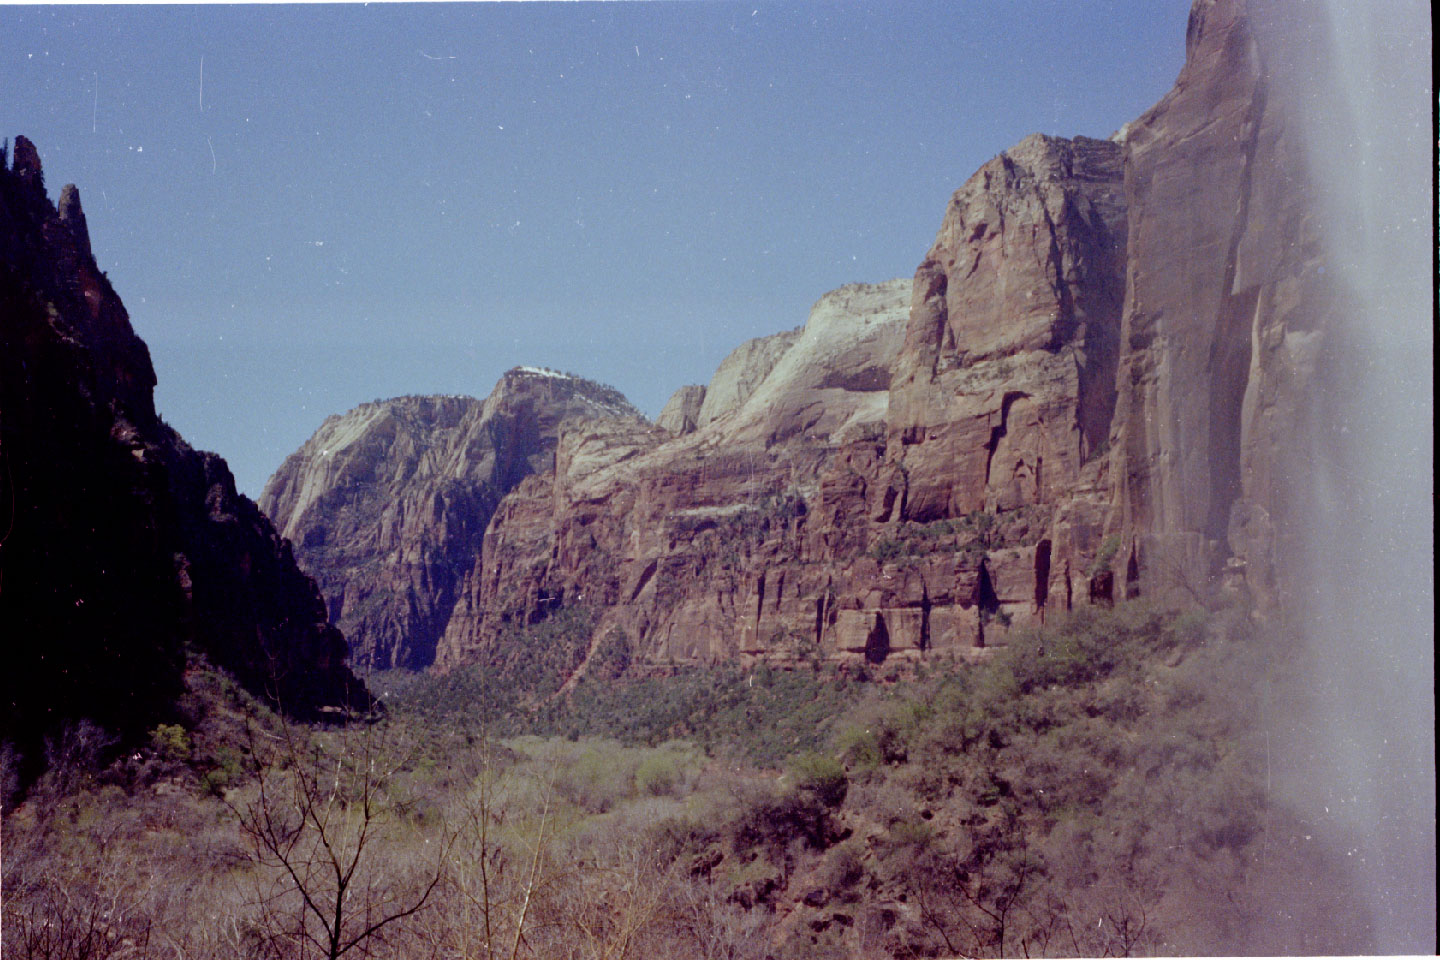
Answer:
(308, 207)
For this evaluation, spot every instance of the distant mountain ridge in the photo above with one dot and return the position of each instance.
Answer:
(385, 504)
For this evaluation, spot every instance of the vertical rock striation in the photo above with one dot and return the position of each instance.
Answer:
(1226, 305)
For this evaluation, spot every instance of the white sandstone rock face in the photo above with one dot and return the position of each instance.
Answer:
(682, 411)
(741, 372)
(834, 381)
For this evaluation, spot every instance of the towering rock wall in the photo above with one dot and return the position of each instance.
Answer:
(915, 469)
(119, 544)
(387, 504)
(1003, 395)
(1105, 381)
(1006, 384)
(1226, 304)
(1097, 385)
(773, 532)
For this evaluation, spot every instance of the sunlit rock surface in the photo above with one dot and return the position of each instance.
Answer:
(1225, 311)
(1003, 396)
(741, 372)
(681, 413)
(386, 505)
(766, 534)
(1095, 387)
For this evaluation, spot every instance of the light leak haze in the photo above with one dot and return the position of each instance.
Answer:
(308, 207)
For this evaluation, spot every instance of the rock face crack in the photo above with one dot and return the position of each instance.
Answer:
(998, 431)
(1042, 572)
(1230, 356)
(987, 603)
(644, 581)
(759, 601)
(877, 641)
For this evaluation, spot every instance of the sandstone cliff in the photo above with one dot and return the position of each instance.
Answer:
(1003, 396)
(681, 413)
(119, 544)
(913, 470)
(767, 533)
(1226, 304)
(1095, 386)
(910, 473)
(1107, 359)
(386, 505)
(741, 372)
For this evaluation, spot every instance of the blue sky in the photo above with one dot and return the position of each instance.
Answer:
(308, 207)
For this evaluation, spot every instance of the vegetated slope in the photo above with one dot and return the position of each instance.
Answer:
(386, 505)
(119, 544)
(1096, 788)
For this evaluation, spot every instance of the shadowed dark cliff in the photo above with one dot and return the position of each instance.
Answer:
(120, 546)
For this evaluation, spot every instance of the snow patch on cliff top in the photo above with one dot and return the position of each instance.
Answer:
(542, 372)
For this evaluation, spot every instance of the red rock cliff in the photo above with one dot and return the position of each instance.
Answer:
(770, 532)
(1226, 306)
(1098, 384)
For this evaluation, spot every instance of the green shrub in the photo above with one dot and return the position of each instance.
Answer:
(612, 657)
(870, 746)
(772, 821)
(1105, 555)
(658, 774)
(597, 777)
(171, 742)
(858, 747)
(885, 550)
(821, 777)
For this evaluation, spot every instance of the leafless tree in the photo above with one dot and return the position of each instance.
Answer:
(711, 927)
(323, 823)
(501, 875)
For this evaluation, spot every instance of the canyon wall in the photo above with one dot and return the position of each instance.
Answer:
(1226, 307)
(1094, 388)
(119, 544)
(777, 530)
